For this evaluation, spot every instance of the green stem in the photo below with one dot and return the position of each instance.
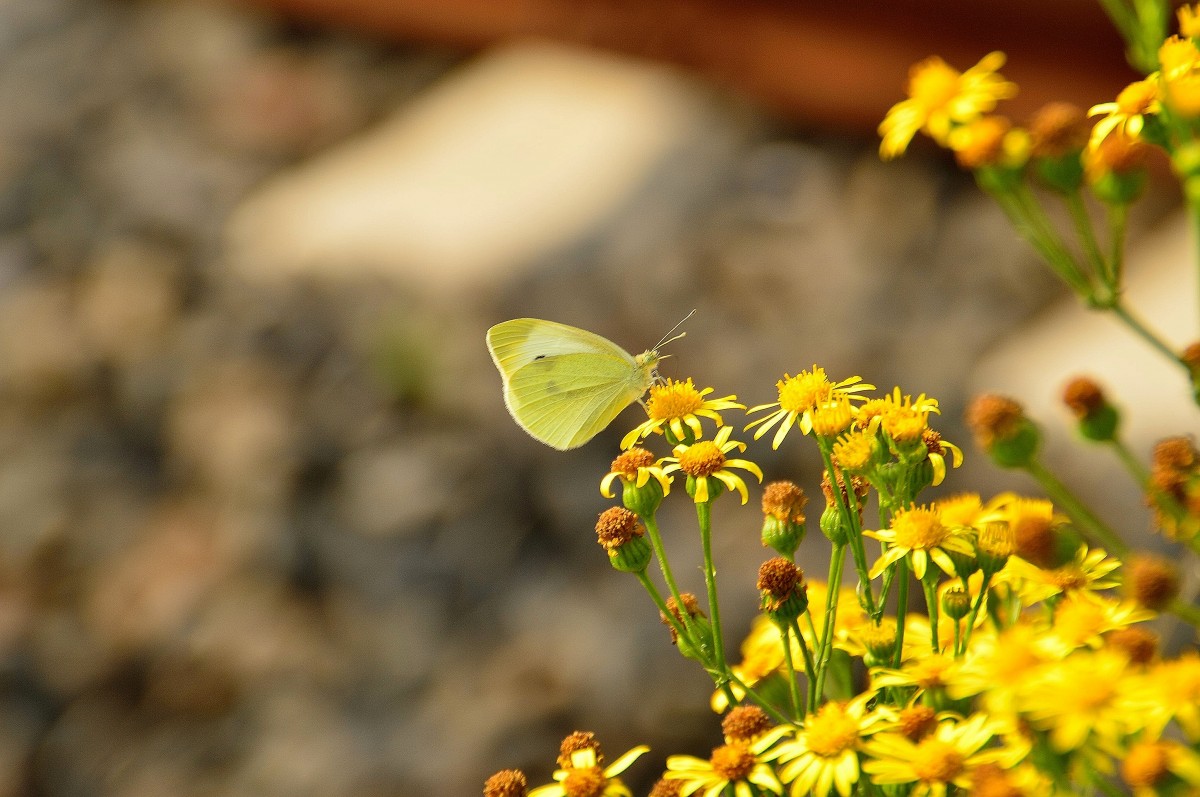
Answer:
(810, 668)
(657, 597)
(793, 684)
(1118, 215)
(757, 698)
(1135, 325)
(852, 523)
(974, 615)
(836, 563)
(901, 612)
(1189, 613)
(660, 553)
(704, 517)
(1087, 236)
(1079, 512)
(1031, 221)
(931, 604)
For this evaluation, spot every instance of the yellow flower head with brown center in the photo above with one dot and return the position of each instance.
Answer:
(800, 397)
(1087, 698)
(945, 758)
(634, 467)
(1127, 114)
(941, 98)
(584, 775)
(738, 764)
(919, 535)
(677, 407)
(824, 754)
(705, 460)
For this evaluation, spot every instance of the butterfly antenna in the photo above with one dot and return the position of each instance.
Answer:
(668, 337)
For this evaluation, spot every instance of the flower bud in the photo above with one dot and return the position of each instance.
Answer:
(1002, 430)
(880, 642)
(745, 723)
(698, 644)
(833, 527)
(1097, 418)
(784, 596)
(1152, 582)
(783, 517)
(621, 534)
(956, 603)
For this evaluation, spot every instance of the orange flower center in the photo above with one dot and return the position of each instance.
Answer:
(701, 459)
(832, 731)
(1145, 764)
(1068, 577)
(804, 391)
(673, 400)
(936, 761)
(588, 782)
(1136, 97)
(627, 464)
(733, 761)
(933, 83)
(919, 529)
(917, 722)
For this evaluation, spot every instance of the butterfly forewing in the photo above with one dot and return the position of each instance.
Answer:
(519, 342)
(567, 399)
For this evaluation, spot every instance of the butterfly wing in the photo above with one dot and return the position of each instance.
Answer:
(562, 384)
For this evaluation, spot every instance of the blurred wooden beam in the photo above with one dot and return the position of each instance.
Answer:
(837, 65)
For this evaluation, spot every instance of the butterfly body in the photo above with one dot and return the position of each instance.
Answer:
(563, 384)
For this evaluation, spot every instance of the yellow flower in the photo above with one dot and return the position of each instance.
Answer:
(737, 764)
(1160, 766)
(824, 754)
(799, 398)
(705, 459)
(918, 533)
(996, 666)
(674, 405)
(1088, 570)
(1082, 618)
(635, 467)
(1189, 20)
(940, 98)
(1173, 692)
(947, 757)
(932, 671)
(1087, 698)
(1127, 115)
(584, 777)
(966, 511)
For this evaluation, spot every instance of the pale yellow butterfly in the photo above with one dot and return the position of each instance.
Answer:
(563, 384)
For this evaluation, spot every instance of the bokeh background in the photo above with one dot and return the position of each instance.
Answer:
(267, 529)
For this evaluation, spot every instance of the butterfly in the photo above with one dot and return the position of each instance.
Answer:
(563, 384)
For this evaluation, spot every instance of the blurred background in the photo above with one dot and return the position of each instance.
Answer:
(268, 529)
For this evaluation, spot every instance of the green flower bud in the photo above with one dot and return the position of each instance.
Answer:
(833, 527)
(956, 603)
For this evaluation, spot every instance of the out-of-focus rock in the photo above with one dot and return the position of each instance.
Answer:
(508, 159)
